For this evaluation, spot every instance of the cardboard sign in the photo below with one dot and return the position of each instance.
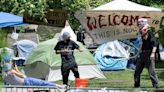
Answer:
(104, 26)
(56, 18)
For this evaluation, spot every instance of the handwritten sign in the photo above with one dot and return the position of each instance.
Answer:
(55, 18)
(104, 26)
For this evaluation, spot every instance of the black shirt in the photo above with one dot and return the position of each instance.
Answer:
(68, 59)
(80, 36)
(149, 43)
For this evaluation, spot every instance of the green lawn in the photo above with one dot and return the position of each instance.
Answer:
(124, 79)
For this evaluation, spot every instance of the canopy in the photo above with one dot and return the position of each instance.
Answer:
(7, 19)
(125, 5)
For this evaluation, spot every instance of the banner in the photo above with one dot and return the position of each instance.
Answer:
(56, 18)
(104, 26)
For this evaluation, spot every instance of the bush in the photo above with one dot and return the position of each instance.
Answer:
(3, 38)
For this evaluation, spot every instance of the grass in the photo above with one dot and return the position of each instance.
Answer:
(124, 78)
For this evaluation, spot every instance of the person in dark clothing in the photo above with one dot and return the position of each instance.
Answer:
(147, 54)
(65, 49)
(81, 35)
(157, 54)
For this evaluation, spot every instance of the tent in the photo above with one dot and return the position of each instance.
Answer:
(119, 5)
(44, 63)
(24, 47)
(7, 19)
(113, 55)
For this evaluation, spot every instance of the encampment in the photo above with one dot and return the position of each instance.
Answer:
(44, 63)
(108, 62)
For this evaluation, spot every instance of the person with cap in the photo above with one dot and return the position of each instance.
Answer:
(13, 76)
(147, 54)
(65, 48)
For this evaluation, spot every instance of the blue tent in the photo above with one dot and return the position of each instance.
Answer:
(112, 56)
(7, 19)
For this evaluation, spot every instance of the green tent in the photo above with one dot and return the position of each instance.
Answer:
(45, 53)
(43, 62)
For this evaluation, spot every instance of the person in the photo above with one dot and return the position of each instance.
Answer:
(147, 54)
(13, 76)
(157, 54)
(65, 49)
(81, 35)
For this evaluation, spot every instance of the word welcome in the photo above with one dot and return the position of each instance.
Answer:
(104, 26)
(100, 21)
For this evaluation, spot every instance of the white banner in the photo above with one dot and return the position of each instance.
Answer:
(104, 26)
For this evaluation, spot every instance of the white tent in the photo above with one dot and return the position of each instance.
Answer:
(125, 5)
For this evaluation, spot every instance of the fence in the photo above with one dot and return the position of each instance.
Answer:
(71, 89)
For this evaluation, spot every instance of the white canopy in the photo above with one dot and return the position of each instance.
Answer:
(125, 5)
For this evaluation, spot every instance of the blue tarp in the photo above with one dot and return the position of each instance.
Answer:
(108, 62)
(7, 19)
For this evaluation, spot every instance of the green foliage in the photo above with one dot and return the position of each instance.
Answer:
(33, 7)
(76, 5)
(3, 38)
(21, 29)
(154, 3)
(73, 6)
(53, 4)
(38, 8)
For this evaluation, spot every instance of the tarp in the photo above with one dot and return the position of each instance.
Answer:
(24, 47)
(112, 55)
(117, 5)
(7, 19)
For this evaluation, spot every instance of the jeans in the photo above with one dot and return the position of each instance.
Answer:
(28, 81)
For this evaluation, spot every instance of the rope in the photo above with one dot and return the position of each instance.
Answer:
(117, 58)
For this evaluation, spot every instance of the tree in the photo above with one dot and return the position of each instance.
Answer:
(18, 7)
(76, 5)
(39, 7)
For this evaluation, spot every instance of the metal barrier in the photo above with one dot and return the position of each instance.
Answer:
(72, 89)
